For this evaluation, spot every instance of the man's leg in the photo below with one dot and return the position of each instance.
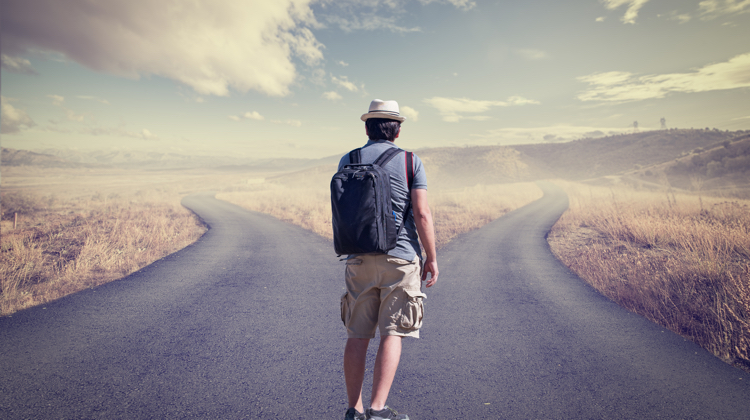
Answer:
(355, 355)
(386, 363)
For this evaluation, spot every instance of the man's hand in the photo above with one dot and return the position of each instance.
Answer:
(430, 266)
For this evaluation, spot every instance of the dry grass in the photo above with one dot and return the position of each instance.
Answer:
(682, 261)
(78, 228)
(305, 207)
(458, 211)
(61, 247)
(304, 199)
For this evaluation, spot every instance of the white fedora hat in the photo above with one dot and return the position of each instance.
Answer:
(383, 109)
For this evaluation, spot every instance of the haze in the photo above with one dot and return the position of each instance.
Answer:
(290, 78)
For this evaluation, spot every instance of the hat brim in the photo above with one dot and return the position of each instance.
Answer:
(383, 114)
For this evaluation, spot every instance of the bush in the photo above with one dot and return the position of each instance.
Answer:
(14, 202)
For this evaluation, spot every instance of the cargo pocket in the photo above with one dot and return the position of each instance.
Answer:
(413, 310)
(398, 261)
(344, 307)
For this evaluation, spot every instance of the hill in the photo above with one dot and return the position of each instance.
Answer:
(710, 160)
(452, 167)
(723, 167)
(13, 157)
(666, 158)
(64, 158)
(593, 158)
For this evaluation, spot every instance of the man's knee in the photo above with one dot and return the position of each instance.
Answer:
(357, 344)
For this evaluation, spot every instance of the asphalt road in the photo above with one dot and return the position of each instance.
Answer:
(245, 324)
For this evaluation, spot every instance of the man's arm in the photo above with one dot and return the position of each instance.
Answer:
(426, 230)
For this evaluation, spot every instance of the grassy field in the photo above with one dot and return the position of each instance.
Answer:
(680, 260)
(304, 199)
(64, 230)
(79, 227)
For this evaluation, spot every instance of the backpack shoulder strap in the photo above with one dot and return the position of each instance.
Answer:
(409, 169)
(409, 156)
(386, 156)
(355, 156)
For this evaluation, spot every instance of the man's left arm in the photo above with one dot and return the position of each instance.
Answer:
(426, 230)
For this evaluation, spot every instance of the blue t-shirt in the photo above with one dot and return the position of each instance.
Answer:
(407, 246)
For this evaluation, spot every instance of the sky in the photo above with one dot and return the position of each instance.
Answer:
(290, 78)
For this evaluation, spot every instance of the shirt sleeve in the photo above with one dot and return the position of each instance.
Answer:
(420, 177)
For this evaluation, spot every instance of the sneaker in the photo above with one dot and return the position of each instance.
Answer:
(353, 414)
(387, 413)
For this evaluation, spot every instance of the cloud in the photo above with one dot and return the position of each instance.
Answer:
(293, 123)
(368, 22)
(376, 15)
(332, 96)
(365, 15)
(555, 133)
(17, 65)
(520, 100)
(93, 98)
(72, 116)
(57, 100)
(710, 9)
(410, 113)
(625, 87)
(601, 19)
(451, 108)
(342, 63)
(682, 18)
(531, 54)
(632, 11)
(12, 119)
(318, 77)
(253, 116)
(344, 82)
(144, 134)
(210, 45)
(459, 4)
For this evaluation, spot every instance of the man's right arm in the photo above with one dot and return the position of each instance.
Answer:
(426, 230)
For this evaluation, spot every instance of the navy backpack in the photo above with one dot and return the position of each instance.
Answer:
(363, 217)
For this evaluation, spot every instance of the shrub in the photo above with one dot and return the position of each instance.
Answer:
(16, 202)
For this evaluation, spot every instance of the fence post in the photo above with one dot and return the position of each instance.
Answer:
(15, 220)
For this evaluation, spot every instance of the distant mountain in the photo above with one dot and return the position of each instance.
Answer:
(283, 164)
(165, 160)
(141, 159)
(677, 158)
(689, 159)
(13, 157)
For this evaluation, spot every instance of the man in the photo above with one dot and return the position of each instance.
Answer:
(384, 290)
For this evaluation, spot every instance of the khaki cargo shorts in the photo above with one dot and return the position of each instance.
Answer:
(385, 292)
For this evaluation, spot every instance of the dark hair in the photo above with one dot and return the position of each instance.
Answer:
(382, 128)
